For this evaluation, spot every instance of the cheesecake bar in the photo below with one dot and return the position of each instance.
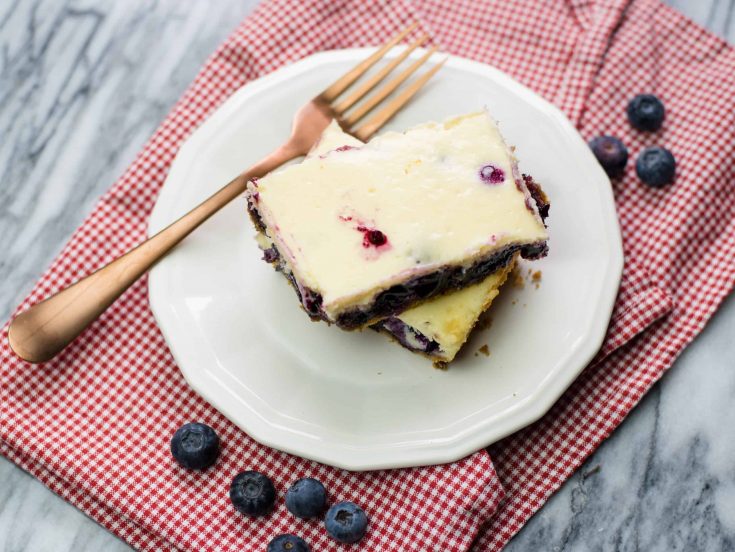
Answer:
(365, 232)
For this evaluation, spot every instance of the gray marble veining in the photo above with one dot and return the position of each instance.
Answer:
(83, 83)
(665, 480)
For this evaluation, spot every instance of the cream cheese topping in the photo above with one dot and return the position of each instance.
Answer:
(352, 222)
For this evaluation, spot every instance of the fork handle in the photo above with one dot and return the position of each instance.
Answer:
(41, 332)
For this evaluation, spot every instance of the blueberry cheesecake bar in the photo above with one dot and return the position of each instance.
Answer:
(365, 232)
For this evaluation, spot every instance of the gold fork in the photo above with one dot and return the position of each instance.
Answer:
(41, 332)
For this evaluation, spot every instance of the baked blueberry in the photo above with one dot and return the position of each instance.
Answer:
(375, 237)
(611, 153)
(195, 446)
(288, 543)
(371, 236)
(646, 112)
(656, 166)
(492, 174)
(307, 498)
(311, 300)
(252, 493)
(346, 522)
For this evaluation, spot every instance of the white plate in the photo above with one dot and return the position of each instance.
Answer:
(357, 400)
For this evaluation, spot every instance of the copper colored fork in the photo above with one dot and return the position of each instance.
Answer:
(41, 332)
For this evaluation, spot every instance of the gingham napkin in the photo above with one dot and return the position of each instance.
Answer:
(94, 424)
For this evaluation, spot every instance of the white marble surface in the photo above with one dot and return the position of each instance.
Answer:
(83, 83)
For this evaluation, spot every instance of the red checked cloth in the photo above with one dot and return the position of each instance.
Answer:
(94, 425)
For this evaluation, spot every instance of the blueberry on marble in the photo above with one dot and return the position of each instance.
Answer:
(252, 493)
(306, 498)
(611, 153)
(288, 543)
(346, 522)
(646, 112)
(492, 174)
(656, 166)
(195, 446)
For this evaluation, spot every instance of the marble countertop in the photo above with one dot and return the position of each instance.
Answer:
(83, 83)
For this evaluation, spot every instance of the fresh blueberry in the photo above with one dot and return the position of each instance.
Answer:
(307, 498)
(492, 174)
(611, 153)
(288, 543)
(195, 446)
(346, 522)
(252, 493)
(656, 166)
(646, 112)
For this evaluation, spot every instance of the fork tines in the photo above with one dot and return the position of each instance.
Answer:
(393, 105)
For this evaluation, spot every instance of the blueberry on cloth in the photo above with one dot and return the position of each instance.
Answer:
(346, 522)
(646, 112)
(656, 166)
(288, 543)
(306, 498)
(611, 153)
(252, 493)
(195, 446)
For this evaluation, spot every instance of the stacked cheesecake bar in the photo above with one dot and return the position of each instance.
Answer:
(412, 233)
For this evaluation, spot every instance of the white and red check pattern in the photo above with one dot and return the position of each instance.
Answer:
(94, 424)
